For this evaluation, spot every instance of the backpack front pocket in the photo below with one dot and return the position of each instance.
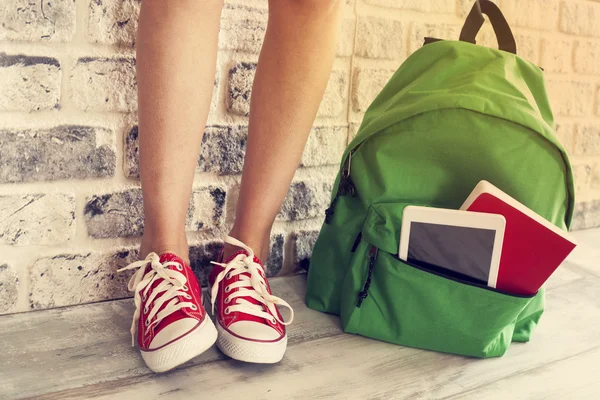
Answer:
(390, 300)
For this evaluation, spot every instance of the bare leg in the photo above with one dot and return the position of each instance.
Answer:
(176, 53)
(292, 73)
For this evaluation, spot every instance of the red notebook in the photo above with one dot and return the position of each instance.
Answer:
(533, 247)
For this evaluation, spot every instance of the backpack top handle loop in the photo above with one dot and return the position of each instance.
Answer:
(475, 20)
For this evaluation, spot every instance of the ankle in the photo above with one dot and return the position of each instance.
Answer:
(260, 244)
(161, 246)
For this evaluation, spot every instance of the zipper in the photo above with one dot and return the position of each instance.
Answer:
(362, 295)
(356, 242)
(345, 188)
(463, 281)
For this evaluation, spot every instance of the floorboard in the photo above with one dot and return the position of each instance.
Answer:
(85, 352)
(348, 366)
(58, 349)
(575, 377)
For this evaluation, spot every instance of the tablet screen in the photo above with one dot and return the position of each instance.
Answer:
(465, 251)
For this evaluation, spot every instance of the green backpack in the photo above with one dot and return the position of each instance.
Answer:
(452, 115)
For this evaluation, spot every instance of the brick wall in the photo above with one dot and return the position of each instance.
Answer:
(70, 203)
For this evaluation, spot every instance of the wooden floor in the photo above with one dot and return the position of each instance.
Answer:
(85, 352)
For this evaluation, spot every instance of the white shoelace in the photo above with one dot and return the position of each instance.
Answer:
(252, 286)
(172, 285)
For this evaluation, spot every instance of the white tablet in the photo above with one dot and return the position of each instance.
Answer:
(461, 243)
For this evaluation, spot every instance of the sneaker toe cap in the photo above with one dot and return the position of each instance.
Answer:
(173, 331)
(254, 330)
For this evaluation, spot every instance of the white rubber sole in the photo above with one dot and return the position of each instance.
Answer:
(194, 343)
(250, 351)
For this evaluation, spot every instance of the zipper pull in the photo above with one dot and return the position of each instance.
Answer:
(345, 188)
(347, 164)
(365, 292)
(329, 212)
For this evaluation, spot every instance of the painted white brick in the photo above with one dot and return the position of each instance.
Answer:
(595, 183)
(115, 214)
(353, 130)
(325, 146)
(274, 264)
(366, 85)
(304, 200)
(121, 214)
(29, 83)
(223, 149)
(582, 174)
(243, 29)
(587, 215)
(535, 14)
(303, 243)
(48, 20)
(9, 288)
(557, 55)
(528, 47)
(587, 140)
(69, 279)
(379, 38)
(131, 156)
(207, 209)
(430, 6)
(113, 21)
(241, 78)
(438, 31)
(56, 153)
(40, 219)
(336, 95)
(565, 131)
(580, 18)
(487, 37)
(587, 57)
(598, 101)
(346, 41)
(464, 7)
(571, 97)
(104, 84)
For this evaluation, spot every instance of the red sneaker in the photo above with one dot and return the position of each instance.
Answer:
(249, 324)
(173, 326)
